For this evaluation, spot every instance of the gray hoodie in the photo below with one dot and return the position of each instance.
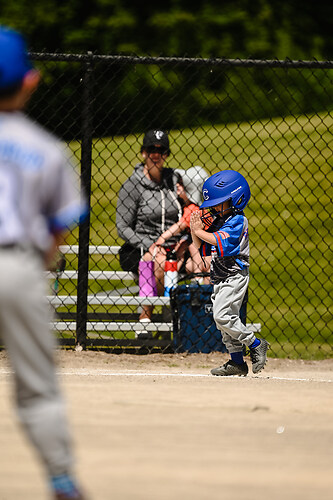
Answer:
(146, 209)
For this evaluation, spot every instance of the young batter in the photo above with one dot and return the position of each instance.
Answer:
(226, 239)
(39, 202)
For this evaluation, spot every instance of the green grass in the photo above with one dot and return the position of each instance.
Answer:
(288, 163)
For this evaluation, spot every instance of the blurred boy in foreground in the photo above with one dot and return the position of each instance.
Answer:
(39, 203)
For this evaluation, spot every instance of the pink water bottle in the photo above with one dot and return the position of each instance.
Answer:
(147, 283)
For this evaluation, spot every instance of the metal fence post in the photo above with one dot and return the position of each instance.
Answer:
(84, 229)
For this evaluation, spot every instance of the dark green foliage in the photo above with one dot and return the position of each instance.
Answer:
(211, 28)
(144, 96)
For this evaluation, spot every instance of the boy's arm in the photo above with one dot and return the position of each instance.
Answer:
(50, 257)
(197, 231)
(176, 228)
(196, 241)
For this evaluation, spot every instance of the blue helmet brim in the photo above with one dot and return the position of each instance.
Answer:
(209, 203)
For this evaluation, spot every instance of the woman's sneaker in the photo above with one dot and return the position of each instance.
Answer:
(258, 356)
(231, 368)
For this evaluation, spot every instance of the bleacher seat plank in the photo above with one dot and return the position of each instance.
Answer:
(109, 300)
(114, 326)
(96, 275)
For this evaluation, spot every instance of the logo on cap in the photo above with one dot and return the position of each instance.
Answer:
(158, 134)
(205, 194)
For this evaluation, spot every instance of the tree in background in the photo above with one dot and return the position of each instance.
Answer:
(128, 99)
(206, 28)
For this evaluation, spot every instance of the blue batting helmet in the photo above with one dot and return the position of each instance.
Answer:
(223, 186)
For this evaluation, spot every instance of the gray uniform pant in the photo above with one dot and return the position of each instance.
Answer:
(24, 328)
(227, 298)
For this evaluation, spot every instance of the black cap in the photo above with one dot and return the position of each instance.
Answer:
(156, 138)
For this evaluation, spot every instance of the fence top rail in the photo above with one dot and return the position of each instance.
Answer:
(89, 57)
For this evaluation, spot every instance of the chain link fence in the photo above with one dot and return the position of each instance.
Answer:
(270, 120)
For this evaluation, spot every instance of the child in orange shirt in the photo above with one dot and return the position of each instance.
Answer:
(189, 190)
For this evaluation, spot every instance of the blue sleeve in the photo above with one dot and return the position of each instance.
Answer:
(68, 217)
(229, 236)
(64, 205)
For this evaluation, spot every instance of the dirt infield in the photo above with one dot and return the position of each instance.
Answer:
(159, 427)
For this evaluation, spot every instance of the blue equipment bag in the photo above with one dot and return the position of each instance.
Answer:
(194, 328)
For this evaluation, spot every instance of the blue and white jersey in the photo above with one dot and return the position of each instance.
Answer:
(39, 195)
(231, 254)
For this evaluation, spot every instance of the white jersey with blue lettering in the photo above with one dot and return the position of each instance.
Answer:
(37, 194)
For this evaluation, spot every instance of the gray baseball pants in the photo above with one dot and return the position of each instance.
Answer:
(227, 298)
(24, 328)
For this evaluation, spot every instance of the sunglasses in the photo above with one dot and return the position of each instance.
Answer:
(156, 149)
